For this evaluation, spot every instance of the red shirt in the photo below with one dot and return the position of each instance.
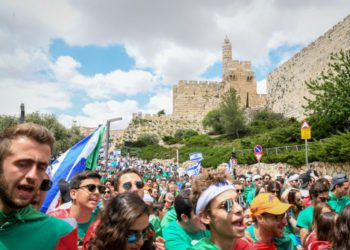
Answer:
(243, 244)
(264, 246)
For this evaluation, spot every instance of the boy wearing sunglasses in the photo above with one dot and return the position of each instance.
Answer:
(85, 191)
(216, 206)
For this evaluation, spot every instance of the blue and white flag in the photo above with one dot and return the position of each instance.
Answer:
(117, 152)
(196, 156)
(229, 166)
(195, 169)
(73, 161)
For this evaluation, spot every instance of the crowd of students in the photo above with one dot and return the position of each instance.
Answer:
(134, 204)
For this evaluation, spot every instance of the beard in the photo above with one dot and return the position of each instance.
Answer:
(5, 197)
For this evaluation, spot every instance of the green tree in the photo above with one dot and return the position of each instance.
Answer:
(148, 139)
(329, 107)
(65, 138)
(213, 120)
(233, 118)
(161, 112)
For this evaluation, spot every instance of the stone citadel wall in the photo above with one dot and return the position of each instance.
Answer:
(286, 84)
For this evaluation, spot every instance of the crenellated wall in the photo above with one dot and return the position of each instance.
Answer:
(286, 84)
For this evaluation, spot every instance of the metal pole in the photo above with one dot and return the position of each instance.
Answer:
(107, 142)
(306, 154)
(22, 118)
(177, 158)
(107, 136)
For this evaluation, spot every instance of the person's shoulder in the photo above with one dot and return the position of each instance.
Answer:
(60, 213)
(58, 223)
(204, 244)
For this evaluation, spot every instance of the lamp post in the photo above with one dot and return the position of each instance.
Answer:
(107, 136)
(22, 118)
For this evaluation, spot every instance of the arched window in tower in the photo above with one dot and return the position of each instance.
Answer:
(249, 78)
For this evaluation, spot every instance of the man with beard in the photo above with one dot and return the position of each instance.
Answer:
(215, 204)
(270, 218)
(25, 152)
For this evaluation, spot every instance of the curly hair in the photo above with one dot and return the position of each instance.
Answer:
(205, 180)
(121, 212)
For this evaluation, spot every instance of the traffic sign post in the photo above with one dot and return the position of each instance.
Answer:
(305, 132)
(258, 153)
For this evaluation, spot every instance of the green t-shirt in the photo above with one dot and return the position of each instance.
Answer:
(83, 227)
(177, 238)
(251, 195)
(305, 218)
(246, 191)
(204, 244)
(30, 229)
(155, 221)
(169, 217)
(337, 204)
(282, 243)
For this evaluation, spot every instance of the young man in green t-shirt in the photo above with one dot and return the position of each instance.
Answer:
(339, 198)
(187, 229)
(319, 192)
(25, 152)
(214, 197)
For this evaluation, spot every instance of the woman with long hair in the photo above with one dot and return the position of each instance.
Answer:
(320, 208)
(123, 225)
(341, 240)
(275, 188)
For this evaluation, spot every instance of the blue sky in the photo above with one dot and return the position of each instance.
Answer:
(89, 63)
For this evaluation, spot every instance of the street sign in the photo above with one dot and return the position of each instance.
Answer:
(258, 149)
(258, 156)
(305, 131)
(258, 152)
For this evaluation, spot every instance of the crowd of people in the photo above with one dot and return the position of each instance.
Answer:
(132, 204)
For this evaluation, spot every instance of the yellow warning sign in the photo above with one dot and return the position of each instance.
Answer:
(305, 133)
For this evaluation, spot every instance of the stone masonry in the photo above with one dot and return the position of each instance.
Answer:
(192, 100)
(196, 99)
(286, 84)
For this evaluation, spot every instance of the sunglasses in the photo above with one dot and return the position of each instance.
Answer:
(279, 217)
(107, 192)
(239, 190)
(259, 179)
(92, 187)
(128, 185)
(133, 235)
(227, 205)
(275, 191)
(324, 199)
(46, 185)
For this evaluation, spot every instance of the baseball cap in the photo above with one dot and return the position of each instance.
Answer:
(304, 179)
(256, 177)
(268, 203)
(338, 179)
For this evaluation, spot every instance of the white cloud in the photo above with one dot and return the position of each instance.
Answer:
(162, 100)
(261, 87)
(97, 113)
(36, 97)
(175, 39)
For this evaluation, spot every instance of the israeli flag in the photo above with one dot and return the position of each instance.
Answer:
(195, 169)
(196, 156)
(229, 166)
(117, 152)
(82, 155)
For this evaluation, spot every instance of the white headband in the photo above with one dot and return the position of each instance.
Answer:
(210, 193)
(293, 177)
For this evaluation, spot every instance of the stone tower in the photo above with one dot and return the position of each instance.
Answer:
(226, 55)
(240, 76)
